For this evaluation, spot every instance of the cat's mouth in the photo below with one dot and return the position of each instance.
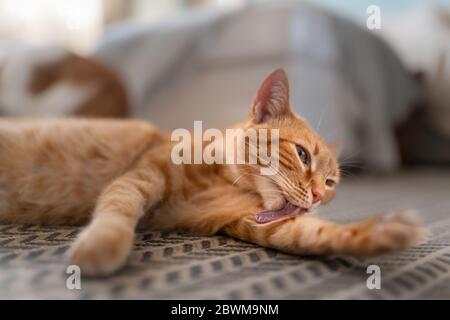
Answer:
(288, 211)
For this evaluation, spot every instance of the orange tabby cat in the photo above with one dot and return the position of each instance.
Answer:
(115, 174)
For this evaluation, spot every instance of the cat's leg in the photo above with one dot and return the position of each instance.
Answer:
(104, 245)
(312, 235)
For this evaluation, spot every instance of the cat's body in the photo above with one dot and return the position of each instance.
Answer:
(52, 171)
(56, 178)
(117, 174)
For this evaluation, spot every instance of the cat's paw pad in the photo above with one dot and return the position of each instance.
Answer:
(396, 231)
(101, 250)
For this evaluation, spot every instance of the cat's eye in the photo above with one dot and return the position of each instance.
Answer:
(303, 154)
(330, 183)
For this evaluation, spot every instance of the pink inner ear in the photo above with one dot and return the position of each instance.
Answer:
(272, 98)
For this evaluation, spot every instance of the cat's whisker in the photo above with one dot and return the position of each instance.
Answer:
(350, 156)
(239, 178)
(279, 172)
(321, 117)
(272, 191)
(348, 160)
(348, 174)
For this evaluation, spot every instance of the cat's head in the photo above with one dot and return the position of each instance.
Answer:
(307, 172)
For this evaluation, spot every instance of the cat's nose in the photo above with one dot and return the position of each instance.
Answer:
(317, 195)
(317, 190)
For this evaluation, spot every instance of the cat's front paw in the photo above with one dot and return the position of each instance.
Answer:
(386, 233)
(102, 249)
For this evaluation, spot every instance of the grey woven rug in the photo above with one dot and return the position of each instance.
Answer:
(173, 265)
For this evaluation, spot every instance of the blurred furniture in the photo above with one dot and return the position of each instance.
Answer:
(206, 65)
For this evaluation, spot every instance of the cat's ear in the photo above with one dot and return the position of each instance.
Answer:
(272, 98)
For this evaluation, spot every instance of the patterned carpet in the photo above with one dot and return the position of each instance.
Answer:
(172, 265)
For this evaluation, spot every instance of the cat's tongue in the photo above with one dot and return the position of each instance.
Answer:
(271, 215)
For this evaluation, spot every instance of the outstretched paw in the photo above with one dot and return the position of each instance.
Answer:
(396, 231)
(385, 233)
(101, 249)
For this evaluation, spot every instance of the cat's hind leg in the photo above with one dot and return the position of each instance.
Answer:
(105, 244)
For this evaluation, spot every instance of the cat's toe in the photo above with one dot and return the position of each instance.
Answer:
(407, 217)
(101, 251)
(397, 231)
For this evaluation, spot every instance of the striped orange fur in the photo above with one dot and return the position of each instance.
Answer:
(113, 175)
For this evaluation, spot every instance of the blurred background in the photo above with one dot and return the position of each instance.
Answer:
(372, 74)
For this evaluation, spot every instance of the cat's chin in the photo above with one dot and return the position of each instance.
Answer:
(288, 211)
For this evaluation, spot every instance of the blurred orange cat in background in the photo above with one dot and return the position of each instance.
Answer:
(52, 82)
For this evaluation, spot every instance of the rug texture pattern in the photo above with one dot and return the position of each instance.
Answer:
(173, 265)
